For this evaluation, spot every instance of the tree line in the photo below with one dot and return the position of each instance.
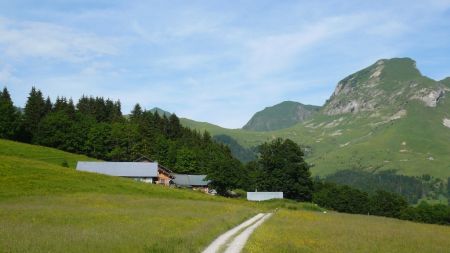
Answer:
(343, 198)
(96, 127)
(412, 188)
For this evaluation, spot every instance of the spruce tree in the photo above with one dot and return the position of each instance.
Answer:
(48, 105)
(9, 117)
(136, 113)
(174, 129)
(35, 110)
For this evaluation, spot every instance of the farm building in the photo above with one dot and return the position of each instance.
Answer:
(196, 182)
(165, 175)
(146, 172)
(261, 196)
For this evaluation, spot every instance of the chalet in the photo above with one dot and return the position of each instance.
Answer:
(143, 169)
(146, 172)
(196, 182)
(165, 175)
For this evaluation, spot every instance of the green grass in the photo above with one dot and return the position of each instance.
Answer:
(305, 231)
(113, 223)
(25, 177)
(48, 208)
(39, 153)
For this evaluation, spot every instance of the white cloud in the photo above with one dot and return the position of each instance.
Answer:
(50, 41)
(276, 52)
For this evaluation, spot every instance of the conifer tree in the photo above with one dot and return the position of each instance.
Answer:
(174, 127)
(35, 110)
(48, 105)
(9, 117)
(136, 113)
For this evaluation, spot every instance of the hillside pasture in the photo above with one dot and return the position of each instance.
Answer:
(306, 231)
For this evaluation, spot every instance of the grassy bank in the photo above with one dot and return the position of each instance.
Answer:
(113, 223)
(40, 153)
(48, 208)
(305, 231)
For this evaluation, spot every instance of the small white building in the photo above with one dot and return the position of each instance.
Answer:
(261, 196)
(140, 171)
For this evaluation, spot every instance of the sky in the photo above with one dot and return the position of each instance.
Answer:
(213, 61)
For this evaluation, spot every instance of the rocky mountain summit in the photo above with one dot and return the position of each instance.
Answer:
(387, 84)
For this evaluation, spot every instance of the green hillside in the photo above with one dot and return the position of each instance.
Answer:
(282, 115)
(303, 231)
(386, 116)
(48, 208)
(40, 153)
(446, 81)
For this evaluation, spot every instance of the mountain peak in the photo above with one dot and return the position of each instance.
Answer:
(384, 83)
(279, 116)
(160, 111)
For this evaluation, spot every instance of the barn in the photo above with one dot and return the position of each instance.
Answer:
(145, 172)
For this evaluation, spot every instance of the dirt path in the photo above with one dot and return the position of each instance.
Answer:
(237, 235)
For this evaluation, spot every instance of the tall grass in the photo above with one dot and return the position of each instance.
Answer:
(113, 223)
(305, 231)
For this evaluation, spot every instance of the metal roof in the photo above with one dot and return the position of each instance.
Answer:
(190, 180)
(260, 196)
(121, 169)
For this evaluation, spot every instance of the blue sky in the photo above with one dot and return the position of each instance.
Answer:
(215, 61)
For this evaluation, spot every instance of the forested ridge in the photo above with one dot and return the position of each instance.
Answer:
(95, 126)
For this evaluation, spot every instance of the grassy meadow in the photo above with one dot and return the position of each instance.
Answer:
(113, 223)
(40, 153)
(45, 207)
(48, 208)
(306, 231)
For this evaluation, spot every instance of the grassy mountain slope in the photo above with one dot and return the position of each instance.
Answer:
(244, 137)
(282, 115)
(386, 116)
(48, 208)
(446, 81)
(243, 154)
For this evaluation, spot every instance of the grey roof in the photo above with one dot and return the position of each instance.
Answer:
(260, 196)
(121, 169)
(190, 180)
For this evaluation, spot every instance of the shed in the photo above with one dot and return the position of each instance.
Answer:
(261, 196)
(192, 181)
